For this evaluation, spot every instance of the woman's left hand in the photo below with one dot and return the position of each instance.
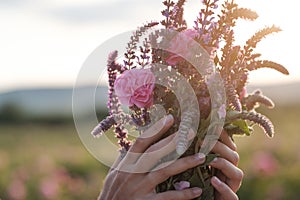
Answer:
(229, 177)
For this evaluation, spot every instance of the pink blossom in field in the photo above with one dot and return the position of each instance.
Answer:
(76, 185)
(181, 185)
(135, 87)
(49, 187)
(180, 46)
(265, 163)
(17, 190)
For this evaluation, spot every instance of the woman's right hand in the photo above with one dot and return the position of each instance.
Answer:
(132, 177)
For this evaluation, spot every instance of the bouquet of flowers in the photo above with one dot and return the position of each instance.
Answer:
(198, 75)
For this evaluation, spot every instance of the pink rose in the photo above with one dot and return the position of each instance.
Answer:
(180, 45)
(135, 86)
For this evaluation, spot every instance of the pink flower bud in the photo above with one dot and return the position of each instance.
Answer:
(181, 185)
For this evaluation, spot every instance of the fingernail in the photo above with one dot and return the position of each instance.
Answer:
(216, 180)
(196, 191)
(234, 145)
(191, 134)
(214, 160)
(168, 119)
(199, 156)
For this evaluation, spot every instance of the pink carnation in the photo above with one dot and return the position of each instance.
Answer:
(135, 87)
(180, 45)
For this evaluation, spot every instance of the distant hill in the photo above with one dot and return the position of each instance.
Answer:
(51, 102)
(282, 94)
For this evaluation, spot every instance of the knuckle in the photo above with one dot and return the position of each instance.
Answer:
(164, 173)
(221, 162)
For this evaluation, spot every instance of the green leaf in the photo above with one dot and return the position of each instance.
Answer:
(242, 125)
(209, 158)
(196, 181)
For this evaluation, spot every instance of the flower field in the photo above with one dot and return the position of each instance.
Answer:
(49, 161)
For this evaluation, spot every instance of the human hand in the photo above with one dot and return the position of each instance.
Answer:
(229, 177)
(132, 178)
(123, 182)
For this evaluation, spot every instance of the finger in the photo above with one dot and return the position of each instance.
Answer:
(171, 138)
(186, 194)
(224, 191)
(227, 153)
(144, 141)
(220, 176)
(225, 139)
(233, 174)
(152, 134)
(180, 165)
(156, 152)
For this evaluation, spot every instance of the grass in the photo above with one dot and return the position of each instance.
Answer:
(50, 162)
(40, 152)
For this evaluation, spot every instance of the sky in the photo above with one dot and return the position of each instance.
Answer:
(44, 43)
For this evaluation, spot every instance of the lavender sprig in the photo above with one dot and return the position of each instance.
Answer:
(132, 44)
(252, 101)
(264, 122)
(268, 64)
(232, 97)
(103, 126)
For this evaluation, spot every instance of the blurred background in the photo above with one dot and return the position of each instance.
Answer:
(43, 44)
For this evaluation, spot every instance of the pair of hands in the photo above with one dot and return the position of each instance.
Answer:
(132, 177)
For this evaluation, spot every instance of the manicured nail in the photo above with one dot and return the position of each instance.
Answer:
(214, 160)
(216, 181)
(168, 119)
(199, 156)
(191, 134)
(234, 145)
(196, 191)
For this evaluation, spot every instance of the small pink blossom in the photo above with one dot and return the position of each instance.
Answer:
(17, 190)
(180, 46)
(49, 188)
(243, 93)
(265, 163)
(181, 185)
(135, 87)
